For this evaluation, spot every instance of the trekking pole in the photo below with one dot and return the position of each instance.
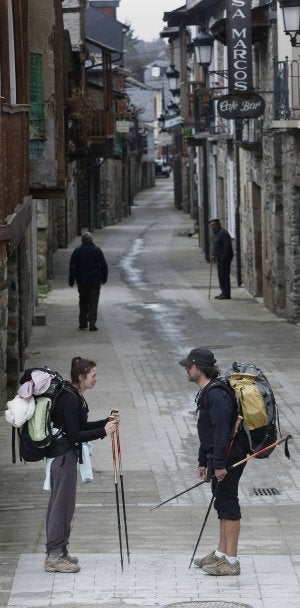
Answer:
(180, 493)
(122, 492)
(117, 495)
(235, 432)
(204, 522)
(122, 486)
(210, 275)
(268, 447)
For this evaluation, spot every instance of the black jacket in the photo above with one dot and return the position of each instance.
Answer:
(87, 266)
(217, 417)
(70, 414)
(222, 245)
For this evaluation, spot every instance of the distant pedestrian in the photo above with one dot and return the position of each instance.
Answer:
(222, 255)
(218, 451)
(88, 268)
(71, 415)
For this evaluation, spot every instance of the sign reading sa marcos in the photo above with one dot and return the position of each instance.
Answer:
(239, 45)
(245, 105)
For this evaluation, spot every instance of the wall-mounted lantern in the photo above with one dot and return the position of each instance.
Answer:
(291, 19)
(203, 45)
(173, 78)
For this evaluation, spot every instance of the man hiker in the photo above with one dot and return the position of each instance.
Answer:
(216, 422)
(88, 268)
(222, 254)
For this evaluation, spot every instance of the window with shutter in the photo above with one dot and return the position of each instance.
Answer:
(36, 107)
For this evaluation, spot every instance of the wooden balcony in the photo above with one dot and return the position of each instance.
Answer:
(13, 158)
(101, 127)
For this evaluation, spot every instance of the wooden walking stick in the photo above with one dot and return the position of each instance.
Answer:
(122, 492)
(204, 522)
(117, 496)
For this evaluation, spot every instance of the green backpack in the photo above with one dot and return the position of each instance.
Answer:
(36, 437)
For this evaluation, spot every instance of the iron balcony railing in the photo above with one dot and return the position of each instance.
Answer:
(287, 90)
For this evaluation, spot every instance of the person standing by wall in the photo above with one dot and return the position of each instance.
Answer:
(222, 254)
(71, 416)
(89, 269)
(217, 420)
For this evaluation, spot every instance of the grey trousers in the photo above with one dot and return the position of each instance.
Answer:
(62, 501)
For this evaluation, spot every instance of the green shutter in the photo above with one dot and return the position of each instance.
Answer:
(36, 106)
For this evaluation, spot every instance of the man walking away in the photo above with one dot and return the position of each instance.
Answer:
(222, 254)
(88, 268)
(219, 449)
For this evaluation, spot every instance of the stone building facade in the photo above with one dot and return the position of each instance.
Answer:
(247, 171)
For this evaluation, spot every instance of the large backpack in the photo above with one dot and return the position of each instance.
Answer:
(36, 438)
(256, 404)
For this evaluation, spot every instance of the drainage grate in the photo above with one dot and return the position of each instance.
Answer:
(208, 604)
(266, 492)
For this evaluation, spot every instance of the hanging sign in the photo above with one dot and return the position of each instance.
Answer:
(241, 105)
(239, 45)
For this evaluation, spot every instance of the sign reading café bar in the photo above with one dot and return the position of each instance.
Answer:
(239, 45)
(241, 105)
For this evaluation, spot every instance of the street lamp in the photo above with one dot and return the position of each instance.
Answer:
(173, 77)
(203, 45)
(291, 19)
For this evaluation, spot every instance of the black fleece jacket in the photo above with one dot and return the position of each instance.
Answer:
(71, 415)
(217, 416)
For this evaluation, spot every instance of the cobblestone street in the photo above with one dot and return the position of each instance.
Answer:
(153, 310)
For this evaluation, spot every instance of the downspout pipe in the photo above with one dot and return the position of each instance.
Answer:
(238, 136)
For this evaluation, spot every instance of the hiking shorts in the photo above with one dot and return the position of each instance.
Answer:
(226, 501)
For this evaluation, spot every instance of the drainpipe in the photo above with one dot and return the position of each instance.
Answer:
(238, 137)
(205, 203)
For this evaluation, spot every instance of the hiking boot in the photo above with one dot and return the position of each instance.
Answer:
(223, 568)
(209, 559)
(71, 558)
(93, 328)
(61, 564)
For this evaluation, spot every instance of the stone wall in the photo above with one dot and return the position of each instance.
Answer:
(291, 194)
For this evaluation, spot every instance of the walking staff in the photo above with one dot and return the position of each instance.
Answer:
(116, 442)
(122, 492)
(249, 457)
(117, 496)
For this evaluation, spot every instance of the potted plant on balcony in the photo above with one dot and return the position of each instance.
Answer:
(82, 107)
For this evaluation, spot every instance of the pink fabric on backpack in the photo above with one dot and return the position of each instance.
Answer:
(38, 385)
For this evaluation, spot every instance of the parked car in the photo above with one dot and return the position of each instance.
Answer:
(162, 169)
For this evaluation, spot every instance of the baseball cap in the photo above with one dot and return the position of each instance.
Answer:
(200, 356)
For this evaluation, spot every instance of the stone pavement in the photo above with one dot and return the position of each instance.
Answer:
(153, 310)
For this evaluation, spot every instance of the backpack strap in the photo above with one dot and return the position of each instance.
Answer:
(218, 383)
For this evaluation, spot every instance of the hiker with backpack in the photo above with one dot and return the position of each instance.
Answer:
(70, 416)
(221, 445)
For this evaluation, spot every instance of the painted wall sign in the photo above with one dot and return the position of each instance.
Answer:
(239, 45)
(241, 105)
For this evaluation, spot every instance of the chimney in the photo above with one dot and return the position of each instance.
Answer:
(108, 7)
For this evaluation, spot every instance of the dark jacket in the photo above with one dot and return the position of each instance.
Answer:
(222, 245)
(70, 414)
(87, 266)
(217, 417)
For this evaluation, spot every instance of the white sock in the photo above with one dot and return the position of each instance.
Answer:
(231, 560)
(219, 554)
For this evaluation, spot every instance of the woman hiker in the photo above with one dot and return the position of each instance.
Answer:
(71, 415)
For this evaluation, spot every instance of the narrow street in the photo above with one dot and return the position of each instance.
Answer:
(153, 310)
